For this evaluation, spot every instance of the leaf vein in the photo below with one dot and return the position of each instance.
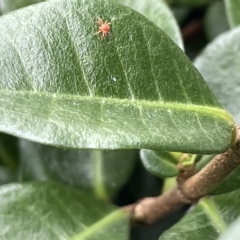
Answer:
(91, 92)
(150, 61)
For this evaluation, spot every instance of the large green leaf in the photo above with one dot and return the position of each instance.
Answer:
(233, 12)
(53, 211)
(219, 65)
(62, 84)
(159, 13)
(208, 220)
(102, 172)
(10, 5)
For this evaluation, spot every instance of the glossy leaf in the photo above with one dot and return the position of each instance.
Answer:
(215, 20)
(208, 220)
(54, 211)
(219, 65)
(62, 84)
(102, 172)
(11, 5)
(158, 12)
(233, 12)
(161, 164)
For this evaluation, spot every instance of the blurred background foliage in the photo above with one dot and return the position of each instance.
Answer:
(120, 176)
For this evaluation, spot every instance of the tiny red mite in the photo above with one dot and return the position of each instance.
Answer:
(104, 27)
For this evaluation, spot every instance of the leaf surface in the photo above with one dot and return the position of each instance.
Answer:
(208, 220)
(62, 84)
(161, 164)
(219, 65)
(158, 12)
(233, 13)
(54, 211)
(101, 172)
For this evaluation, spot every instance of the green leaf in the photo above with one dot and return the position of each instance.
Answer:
(208, 220)
(62, 84)
(102, 172)
(54, 211)
(158, 12)
(232, 232)
(11, 5)
(215, 14)
(233, 13)
(161, 164)
(219, 65)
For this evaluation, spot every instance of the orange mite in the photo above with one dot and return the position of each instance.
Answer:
(104, 27)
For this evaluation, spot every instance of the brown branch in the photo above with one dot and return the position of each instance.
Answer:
(151, 209)
(213, 173)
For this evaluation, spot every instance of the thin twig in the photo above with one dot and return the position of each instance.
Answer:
(151, 209)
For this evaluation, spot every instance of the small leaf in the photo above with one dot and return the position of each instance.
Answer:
(161, 164)
(11, 5)
(61, 84)
(215, 13)
(208, 220)
(219, 65)
(233, 13)
(158, 12)
(53, 211)
(102, 172)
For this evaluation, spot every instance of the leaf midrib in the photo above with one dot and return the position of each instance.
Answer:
(99, 225)
(214, 215)
(202, 109)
